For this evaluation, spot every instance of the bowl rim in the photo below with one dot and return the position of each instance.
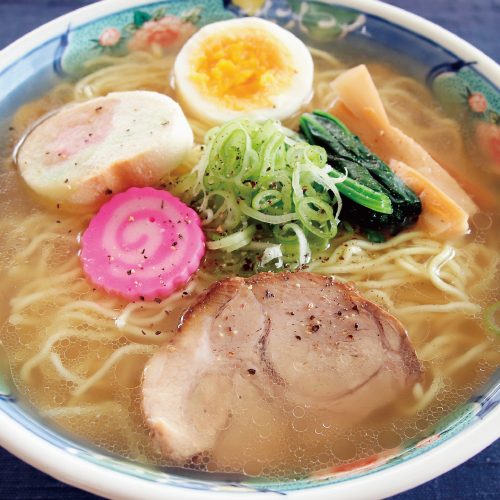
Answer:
(75, 470)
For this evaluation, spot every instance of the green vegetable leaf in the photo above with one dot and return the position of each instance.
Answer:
(158, 14)
(131, 28)
(491, 318)
(346, 153)
(493, 117)
(141, 17)
(374, 236)
(192, 15)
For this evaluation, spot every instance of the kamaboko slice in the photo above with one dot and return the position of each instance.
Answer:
(142, 244)
(83, 153)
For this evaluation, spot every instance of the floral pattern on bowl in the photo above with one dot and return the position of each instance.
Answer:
(162, 26)
(469, 98)
(319, 21)
(166, 32)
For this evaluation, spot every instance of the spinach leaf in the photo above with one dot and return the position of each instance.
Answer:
(346, 153)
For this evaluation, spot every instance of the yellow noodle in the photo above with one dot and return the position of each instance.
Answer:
(63, 371)
(114, 358)
(425, 398)
(332, 60)
(425, 308)
(30, 364)
(84, 411)
(467, 358)
(433, 270)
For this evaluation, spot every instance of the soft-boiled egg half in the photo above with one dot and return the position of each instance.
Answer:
(248, 66)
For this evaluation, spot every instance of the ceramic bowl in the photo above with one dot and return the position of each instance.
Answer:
(451, 67)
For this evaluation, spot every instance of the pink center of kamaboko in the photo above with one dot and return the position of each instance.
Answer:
(78, 131)
(142, 244)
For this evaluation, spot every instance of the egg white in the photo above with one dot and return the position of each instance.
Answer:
(284, 104)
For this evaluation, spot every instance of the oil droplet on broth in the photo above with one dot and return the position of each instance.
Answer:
(262, 417)
(344, 449)
(300, 424)
(252, 468)
(389, 439)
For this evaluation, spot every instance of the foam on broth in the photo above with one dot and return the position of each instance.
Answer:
(69, 342)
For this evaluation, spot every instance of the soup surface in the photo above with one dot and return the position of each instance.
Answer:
(79, 353)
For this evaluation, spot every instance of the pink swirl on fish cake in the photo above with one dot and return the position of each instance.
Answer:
(142, 244)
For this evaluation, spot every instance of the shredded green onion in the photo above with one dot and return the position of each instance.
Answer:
(234, 241)
(270, 219)
(262, 186)
(304, 249)
(317, 217)
(491, 319)
(272, 253)
(262, 189)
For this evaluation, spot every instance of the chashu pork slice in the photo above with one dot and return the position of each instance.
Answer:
(86, 152)
(326, 346)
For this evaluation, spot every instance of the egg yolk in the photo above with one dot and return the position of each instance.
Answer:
(242, 69)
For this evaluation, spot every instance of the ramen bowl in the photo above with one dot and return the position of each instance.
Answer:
(61, 49)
